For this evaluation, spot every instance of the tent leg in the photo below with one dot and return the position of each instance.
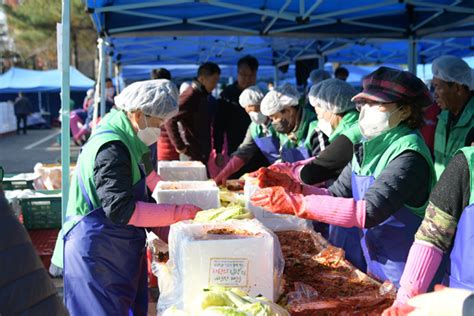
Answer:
(102, 77)
(65, 105)
(40, 103)
(275, 77)
(110, 67)
(321, 62)
(412, 55)
(118, 89)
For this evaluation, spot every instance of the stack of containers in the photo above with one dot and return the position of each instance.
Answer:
(185, 182)
(38, 210)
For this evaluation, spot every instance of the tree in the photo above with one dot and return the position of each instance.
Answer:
(32, 24)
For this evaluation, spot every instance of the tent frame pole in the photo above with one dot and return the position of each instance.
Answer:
(275, 77)
(102, 69)
(65, 105)
(412, 55)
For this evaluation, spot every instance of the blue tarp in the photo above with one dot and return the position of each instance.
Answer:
(26, 80)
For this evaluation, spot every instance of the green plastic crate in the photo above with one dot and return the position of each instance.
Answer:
(42, 212)
(9, 184)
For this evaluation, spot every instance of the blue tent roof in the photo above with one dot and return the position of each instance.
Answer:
(277, 32)
(226, 50)
(329, 19)
(26, 80)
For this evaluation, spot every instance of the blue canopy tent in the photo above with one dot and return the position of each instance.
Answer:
(333, 25)
(43, 85)
(26, 80)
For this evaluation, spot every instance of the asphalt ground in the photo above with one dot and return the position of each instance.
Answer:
(20, 153)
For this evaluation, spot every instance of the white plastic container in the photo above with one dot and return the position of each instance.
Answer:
(182, 170)
(204, 194)
(275, 222)
(250, 260)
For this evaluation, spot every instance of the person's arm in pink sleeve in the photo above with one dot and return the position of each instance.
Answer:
(344, 212)
(159, 215)
(422, 263)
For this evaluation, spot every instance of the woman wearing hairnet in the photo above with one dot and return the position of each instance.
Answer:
(260, 136)
(384, 190)
(104, 239)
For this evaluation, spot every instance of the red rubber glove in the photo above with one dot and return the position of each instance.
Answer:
(234, 165)
(270, 178)
(278, 200)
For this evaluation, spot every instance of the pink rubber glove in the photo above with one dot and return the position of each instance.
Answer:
(337, 211)
(151, 180)
(159, 215)
(422, 263)
(234, 165)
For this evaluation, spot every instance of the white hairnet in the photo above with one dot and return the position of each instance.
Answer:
(332, 95)
(90, 93)
(157, 98)
(251, 96)
(278, 99)
(288, 88)
(318, 75)
(185, 85)
(453, 69)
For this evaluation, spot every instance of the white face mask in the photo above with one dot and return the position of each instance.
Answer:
(373, 122)
(257, 117)
(325, 127)
(148, 135)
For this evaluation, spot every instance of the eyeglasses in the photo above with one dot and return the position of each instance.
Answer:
(360, 104)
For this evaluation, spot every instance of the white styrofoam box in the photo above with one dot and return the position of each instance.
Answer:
(275, 222)
(182, 170)
(204, 194)
(199, 260)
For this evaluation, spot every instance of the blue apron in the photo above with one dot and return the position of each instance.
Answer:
(386, 246)
(269, 146)
(462, 255)
(105, 270)
(349, 239)
(294, 154)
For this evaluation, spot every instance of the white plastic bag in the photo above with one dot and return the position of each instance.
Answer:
(204, 255)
